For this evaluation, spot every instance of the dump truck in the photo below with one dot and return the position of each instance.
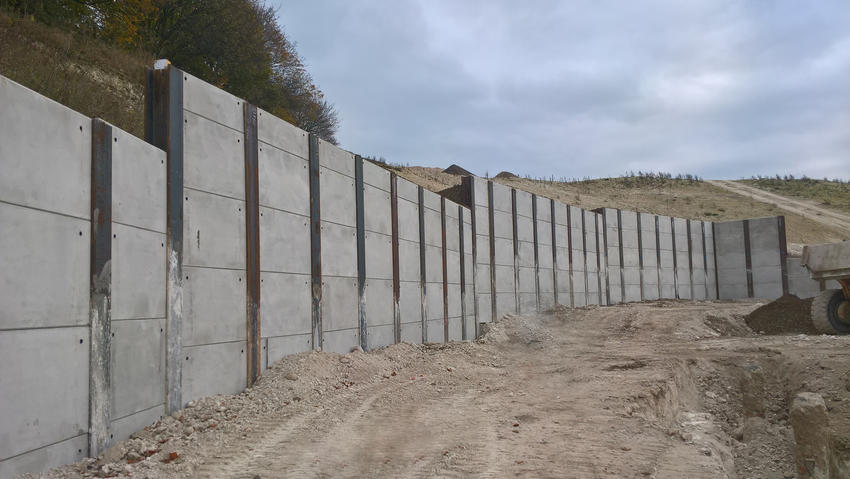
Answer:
(831, 308)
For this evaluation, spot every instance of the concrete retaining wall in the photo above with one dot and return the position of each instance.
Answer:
(750, 261)
(231, 239)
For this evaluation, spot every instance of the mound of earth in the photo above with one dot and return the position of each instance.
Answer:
(457, 170)
(786, 315)
(506, 174)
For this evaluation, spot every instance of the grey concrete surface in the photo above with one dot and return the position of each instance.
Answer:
(649, 247)
(683, 275)
(665, 248)
(731, 259)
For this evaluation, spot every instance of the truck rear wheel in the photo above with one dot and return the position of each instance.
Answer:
(831, 312)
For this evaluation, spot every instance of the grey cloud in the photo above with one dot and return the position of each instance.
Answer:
(586, 88)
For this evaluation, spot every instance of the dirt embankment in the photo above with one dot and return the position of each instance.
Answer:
(663, 389)
(787, 315)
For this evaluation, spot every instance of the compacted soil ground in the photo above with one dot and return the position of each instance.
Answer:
(651, 390)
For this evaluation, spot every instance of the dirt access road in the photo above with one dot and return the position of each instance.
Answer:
(651, 390)
(805, 208)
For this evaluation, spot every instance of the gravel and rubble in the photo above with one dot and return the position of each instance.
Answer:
(665, 389)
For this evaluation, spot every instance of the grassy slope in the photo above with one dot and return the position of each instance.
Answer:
(830, 194)
(82, 73)
(100, 80)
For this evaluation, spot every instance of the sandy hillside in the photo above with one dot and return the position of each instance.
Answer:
(693, 200)
(661, 389)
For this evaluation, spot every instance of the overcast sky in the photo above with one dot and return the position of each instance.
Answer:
(718, 88)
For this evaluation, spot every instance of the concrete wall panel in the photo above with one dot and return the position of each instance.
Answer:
(335, 158)
(281, 134)
(337, 198)
(137, 366)
(340, 303)
(285, 242)
(435, 331)
(213, 157)
(731, 260)
(123, 428)
(375, 176)
(379, 303)
(54, 251)
(433, 229)
(339, 250)
(377, 210)
(285, 304)
(380, 336)
(411, 332)
(341, 341)
(502, 198)
(213, 305)
(57, 454)
(408, 254)
(56, 143)
(213, 230)
(213, 103)
(284, 181)
(408, 220)
(408, 190)
(431, 200)
(138, 183)
(281, 346)
(138, 272)
(379, 259)
(503, 225)
(53, 362)
(410, 304)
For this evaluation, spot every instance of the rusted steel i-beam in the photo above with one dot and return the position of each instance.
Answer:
(252, 242)
(100, 287)
(396, 266)
(554, 250)
(445, 270)
(675, 259)
(716, 273)
(464, 333)
(536, 252)
(640, 254)
(315, 240)
(570, 254)
(361, 250)
(783, 252)
(690, 260)
(492, 251)
(620, 252)
(422, 277)
(164, 129)
(748, 259)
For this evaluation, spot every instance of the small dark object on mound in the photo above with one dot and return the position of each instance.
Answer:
(457, 170)
(786, 315)
(506, 174)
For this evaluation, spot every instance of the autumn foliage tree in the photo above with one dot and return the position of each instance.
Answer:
(236, 45)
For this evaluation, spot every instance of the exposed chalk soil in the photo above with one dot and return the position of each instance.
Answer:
(652, 390)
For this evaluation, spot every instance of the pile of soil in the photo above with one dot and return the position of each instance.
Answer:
(506, 174)
(457, 170)
(786, 315)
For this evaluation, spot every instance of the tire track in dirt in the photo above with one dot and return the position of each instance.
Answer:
(807, 209)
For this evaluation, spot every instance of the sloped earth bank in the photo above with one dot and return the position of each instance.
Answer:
(662, 389)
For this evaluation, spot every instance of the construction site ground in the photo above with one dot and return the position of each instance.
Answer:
(665, 389)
